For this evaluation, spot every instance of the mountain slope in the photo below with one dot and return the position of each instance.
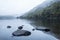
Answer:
(37, 11)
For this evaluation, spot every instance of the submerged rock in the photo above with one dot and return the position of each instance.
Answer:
(8, 26)
(46, 30)
(21, 33)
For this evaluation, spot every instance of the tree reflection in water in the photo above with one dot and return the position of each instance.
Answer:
(53, 25)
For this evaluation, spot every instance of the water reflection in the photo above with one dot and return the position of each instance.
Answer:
(53, 25)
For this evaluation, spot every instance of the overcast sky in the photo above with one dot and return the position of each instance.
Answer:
(9, 7)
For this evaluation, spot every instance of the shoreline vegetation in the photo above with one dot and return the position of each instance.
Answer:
(48, 16)
(50, 12)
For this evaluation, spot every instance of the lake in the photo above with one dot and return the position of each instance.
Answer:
(6, 33)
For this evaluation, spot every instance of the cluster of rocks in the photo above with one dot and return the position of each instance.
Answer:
(20, 32)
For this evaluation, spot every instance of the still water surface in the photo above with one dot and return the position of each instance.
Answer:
(6, 34)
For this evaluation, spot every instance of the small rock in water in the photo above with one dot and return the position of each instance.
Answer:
(33, 29)
(47, 30)
(21, 33)
(20, 27)
(8, 26)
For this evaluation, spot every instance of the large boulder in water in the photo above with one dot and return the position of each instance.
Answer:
(21, 33)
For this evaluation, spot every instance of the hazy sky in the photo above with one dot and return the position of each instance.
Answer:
(9, 7)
